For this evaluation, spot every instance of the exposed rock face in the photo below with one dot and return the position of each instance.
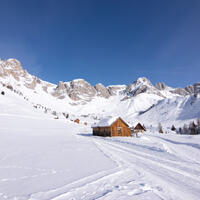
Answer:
(12, 68)
(141, 85)
(180, 91)
(143, 81)
(197, 88)
(135, 88)
(77, 89)
(116, 89)
(32, 84)
(80, 91)
(102, 91)
(160, 86)
(61, 86)
(80, 87)
(189, 90)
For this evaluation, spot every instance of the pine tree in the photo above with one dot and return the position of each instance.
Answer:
(198, 130)
(192, 128)
(180, 130)
(173, 128)
(198, 122)
(54, 113)
(185, 130)
(160, 130)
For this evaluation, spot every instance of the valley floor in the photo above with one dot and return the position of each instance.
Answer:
(44, 158)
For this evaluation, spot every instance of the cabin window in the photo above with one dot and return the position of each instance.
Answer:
(119, 130)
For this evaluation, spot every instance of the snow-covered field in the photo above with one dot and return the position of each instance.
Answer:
(42, 158)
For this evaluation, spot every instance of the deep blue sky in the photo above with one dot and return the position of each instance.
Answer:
(113, 42)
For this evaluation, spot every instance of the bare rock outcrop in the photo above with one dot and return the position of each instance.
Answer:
(142, 85)
(190, 89)
(13, 68)
(197, 88)
(102, 91)
(77, 89)
(180, 91)
(160, 86)
(116, 89)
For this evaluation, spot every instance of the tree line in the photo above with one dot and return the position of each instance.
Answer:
(191, 129)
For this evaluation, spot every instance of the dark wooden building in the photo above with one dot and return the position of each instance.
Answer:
(138, 128)
(111, 127)
(85, 123)
(77, 121)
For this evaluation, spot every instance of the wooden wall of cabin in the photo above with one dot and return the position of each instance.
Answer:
(102, 131)
(138, 131)
(119, 128)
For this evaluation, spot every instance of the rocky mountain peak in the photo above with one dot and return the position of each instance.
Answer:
(14, 75)
(79, 83)
(141, 85)
(12, 63)
(197, 87)
(160, 86)
(81, 91)
(142, 81)
(12, 67)
(77, 89)
(102, 90)
(189, 90)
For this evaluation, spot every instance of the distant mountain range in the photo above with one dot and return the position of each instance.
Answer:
(140, 100)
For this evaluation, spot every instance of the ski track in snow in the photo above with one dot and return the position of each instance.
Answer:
(137, 175)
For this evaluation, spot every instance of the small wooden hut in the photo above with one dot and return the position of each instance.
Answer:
(139, 128)
(77, 121)
(85, 123)
(111, 127)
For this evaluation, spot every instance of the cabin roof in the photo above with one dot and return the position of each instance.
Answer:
(139, 126)
(106, 122)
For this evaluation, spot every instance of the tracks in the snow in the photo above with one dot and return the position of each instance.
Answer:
(136, 173)
(174, 166)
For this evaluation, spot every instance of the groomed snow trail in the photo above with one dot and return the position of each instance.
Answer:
(154, 173)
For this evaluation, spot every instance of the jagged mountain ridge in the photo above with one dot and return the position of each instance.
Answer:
(81, 98)
(12, 72)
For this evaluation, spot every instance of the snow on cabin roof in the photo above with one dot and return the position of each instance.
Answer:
(106, 122)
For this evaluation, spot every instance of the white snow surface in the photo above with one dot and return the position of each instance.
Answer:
(42, 158)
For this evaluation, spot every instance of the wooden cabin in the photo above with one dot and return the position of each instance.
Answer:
(85, 123)
(139, 128)
(110, 127)
(77, 121)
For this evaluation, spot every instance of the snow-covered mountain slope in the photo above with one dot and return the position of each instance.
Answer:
(177, 110)
(42, 158)
(140, 100)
